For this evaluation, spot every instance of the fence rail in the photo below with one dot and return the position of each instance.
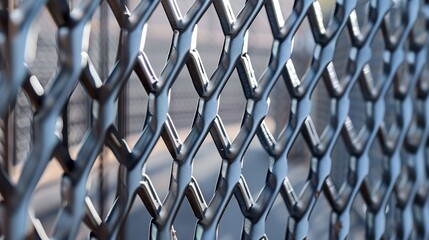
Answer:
(346, 82)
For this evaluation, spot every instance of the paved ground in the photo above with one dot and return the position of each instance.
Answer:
(46, 199)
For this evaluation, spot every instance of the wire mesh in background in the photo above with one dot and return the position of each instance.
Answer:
(125, 118)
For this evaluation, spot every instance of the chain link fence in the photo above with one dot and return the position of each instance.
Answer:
(220, 119)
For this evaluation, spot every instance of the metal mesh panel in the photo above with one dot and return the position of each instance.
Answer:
(338, 115)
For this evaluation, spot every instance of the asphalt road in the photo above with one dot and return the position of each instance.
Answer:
(46, 199)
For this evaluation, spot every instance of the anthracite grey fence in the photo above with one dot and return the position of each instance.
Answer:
(333, 94)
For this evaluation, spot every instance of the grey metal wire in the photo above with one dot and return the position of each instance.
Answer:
(398, 88)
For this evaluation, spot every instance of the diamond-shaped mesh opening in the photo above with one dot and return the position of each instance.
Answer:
(103, 40)
(340, 164)
(138, 214)
(113, 43)
(41, 53)
(392, 218)
(78, 116)
(377, 163)
(236, 5)
(415, 132)
(184, 5)
(392, 112)
(320, 215)
(276, 223)
(259, 43)
(158, 168)
(373, 72)
(184, 223)
(102, 181)
(98, 57)
(231, 224)
(299, 158)
(358, 218)
(158, 39)
(255, 167)
(302, 51)
(321, 107)
(407, 178)
(422, 84)
(394, 19)
(46, 199)
(358, 108)
(403, 75)
(207, 163)
(328, 10)
(137, 101)
(210, 40)
(420, 210)
(97, 41)
(232, 104)
(183, 102)
(131, 4)
(341, 59)
(23, 131)
(20, 127)
(361, 15)
(286, 8)
(418, 33)
(278, 114)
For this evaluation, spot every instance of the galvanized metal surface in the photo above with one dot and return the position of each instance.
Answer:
(399, 87)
